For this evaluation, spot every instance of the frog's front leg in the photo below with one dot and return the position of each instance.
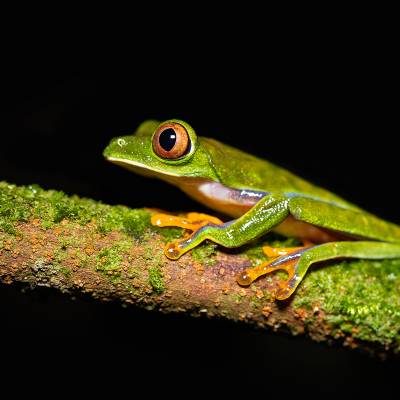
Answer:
(265, 215)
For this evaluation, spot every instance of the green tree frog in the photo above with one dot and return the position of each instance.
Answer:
(259, 195)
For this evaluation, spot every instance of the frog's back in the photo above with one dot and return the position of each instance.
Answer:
(239, 170)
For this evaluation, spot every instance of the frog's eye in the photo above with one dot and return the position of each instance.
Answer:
(171, 141)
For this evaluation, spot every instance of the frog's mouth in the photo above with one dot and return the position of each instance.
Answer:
(142, 169)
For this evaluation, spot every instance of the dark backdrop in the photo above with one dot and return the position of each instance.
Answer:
(329, 118)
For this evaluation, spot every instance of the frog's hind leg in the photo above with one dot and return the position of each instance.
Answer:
(297, 263)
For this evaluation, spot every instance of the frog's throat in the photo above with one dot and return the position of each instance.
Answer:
(215, 195)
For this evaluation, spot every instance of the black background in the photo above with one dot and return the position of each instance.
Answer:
(326, 113)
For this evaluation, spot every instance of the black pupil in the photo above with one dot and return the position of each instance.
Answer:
(167, 139)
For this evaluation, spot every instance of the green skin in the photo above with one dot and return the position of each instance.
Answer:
(289, 204)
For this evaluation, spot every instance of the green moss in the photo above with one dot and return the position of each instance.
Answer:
(69, 241)
(237, 298)
(169, 234)
(156, 279)
(85, 260)
(109, 260)
(205, 253)
(360, 296)
(22, 203)
(135, 222)
(255, 302)
(60, 255)
(255, 254)
(8, 227)
(14, 206)
(132, 222)
(67, 272)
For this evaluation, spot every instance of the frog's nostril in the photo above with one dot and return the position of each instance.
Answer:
(121, 142)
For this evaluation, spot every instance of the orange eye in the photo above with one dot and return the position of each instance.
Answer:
(171, 141)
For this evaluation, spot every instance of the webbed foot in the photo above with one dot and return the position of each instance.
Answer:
(193, 222)
(286, 259)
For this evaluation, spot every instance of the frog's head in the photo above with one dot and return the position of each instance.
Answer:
(170, 151)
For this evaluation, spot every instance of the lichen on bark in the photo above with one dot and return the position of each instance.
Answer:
(113, 252)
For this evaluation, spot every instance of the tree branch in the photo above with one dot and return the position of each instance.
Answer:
(113, 252)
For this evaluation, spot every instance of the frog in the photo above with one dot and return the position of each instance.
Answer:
(258, 197)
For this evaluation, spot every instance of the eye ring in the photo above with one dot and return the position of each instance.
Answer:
(171, 141)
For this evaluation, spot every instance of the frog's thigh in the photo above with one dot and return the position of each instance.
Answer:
(266, 214)
(344, 220)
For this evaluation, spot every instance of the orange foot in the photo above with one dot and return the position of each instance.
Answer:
(193, 220)
(286, 259)
(274, 252)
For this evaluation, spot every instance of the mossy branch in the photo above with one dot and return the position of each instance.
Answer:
(113, 253)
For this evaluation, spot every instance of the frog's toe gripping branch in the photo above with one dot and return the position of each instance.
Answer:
(176, 249)
(289, 263)
(193, 221)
